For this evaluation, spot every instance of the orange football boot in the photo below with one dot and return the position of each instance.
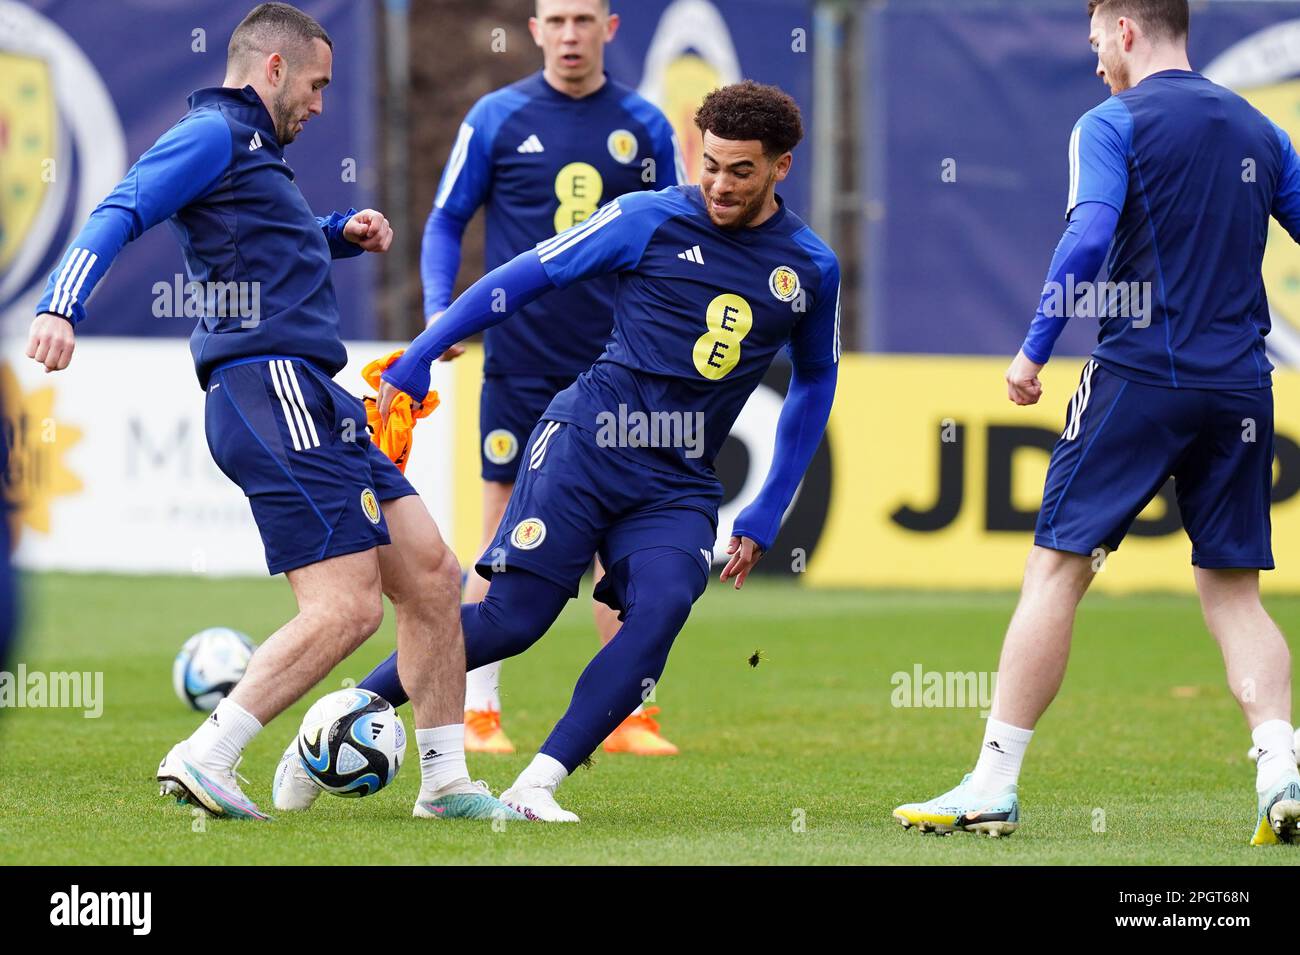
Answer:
(639, 735)
(483, 733)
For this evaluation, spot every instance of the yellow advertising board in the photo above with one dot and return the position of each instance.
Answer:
(937, 479)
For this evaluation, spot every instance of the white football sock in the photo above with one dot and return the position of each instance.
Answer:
(1000, 757)
(442, 756)
(544, 772)
(483, 688)
(221, 739)
(1276, 741)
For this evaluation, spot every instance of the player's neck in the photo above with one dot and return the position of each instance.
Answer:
(770, 208)
(576, 89)
(1161, 60)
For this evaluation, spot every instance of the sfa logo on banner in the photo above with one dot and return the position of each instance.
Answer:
(70, 154)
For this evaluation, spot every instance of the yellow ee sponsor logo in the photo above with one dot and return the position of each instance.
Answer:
(500, 446)
(717, 351)
(579, 187)
(528, 534)
(622, 145)
(370, 504)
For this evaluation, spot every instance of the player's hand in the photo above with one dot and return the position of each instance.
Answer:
(1023, 386)
(51, 341)
(370, 230)
(386, 395)
(744, 555)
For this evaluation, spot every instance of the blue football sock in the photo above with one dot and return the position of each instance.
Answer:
(661, 585)
(518, 609)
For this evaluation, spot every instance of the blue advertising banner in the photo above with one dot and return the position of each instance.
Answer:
(968, 117)
(89, 86)
(677, 52)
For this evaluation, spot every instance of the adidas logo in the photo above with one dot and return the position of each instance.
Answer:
(993, 745)
(708, 556)
(531, 145)
(692, 255)
(255, 142)
(430, 754)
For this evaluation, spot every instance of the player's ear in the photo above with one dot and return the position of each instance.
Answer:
(535, 28)
(783, 166)
(275, 69)
(611, 27)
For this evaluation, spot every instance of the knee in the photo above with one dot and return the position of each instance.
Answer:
(1054, 571)
(357, 616)
(432, 585)
(514, 629)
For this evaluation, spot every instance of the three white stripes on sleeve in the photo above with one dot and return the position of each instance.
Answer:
(67, 287)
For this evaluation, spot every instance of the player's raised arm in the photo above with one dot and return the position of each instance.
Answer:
(610, 241)
(1098, 188)
(184, 164)
(815, 353)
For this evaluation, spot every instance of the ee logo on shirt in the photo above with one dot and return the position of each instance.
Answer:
(579, 188)
(717, 351)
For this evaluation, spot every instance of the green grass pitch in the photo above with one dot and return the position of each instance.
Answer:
(797, 761)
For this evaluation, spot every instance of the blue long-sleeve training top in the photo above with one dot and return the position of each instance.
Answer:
(260, 256)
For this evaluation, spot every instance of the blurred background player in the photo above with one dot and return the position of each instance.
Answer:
(1182, 386)
(543, 154)
(693, 336)
(335, 515)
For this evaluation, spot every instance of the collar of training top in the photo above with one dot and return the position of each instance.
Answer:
(259, 118)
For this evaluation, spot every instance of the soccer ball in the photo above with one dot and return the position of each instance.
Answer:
(352, 742)
(209, 665)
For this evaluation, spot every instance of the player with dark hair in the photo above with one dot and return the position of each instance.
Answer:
(542, 155)
(1172, 184)
(713, 280)
(336, 516)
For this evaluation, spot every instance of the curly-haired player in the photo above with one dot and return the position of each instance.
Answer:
(714, 280)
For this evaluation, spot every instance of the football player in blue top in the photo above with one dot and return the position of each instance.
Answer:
(336, 516)
(1173, 181)
(712, 282)
(541, 156)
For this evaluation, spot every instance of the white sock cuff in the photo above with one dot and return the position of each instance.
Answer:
(240, 724)
(1273, 735)
(1006, 731)
(544, 771)
(445, 739)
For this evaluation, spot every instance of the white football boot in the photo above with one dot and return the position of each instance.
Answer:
(213, 790)
(292, 789)
(536, 804)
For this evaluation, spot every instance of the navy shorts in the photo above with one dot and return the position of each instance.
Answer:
(509, 408)
(297, 446)
(1124, 439)
(573, 499)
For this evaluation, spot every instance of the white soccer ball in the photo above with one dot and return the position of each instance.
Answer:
(352, 742)
(209, 665)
